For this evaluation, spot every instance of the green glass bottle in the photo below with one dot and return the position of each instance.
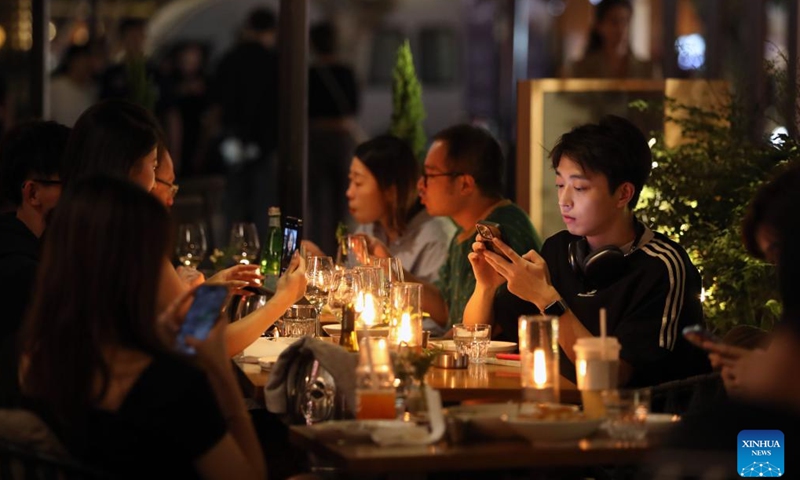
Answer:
(272, 247)
(348, 338)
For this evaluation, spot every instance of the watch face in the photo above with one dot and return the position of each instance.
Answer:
(556, 308)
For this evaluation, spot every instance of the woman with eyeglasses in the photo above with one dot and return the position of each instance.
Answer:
(382, 198)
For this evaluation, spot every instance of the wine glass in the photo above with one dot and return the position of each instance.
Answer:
(319, 273)
(353, 252)
(345, 288)
(192, 245)
(244, 243)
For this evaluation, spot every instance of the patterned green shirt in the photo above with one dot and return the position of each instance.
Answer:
(456, 280)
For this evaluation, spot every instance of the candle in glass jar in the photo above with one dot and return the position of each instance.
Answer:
(405, 334)
(539, 368)
(368, 313)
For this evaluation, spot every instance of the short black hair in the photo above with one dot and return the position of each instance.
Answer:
(474, 151)
(323, 38)
(614, 147)
(261, 20)
(31, 149)
(772, 206)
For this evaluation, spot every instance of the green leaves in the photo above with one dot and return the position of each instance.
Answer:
(408, 112)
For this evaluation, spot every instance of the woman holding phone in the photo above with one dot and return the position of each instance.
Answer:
(103, 371)
(122, 140)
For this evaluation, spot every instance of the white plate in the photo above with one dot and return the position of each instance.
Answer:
(494, 346)
(268, 347)
(554, 430)
(335, 329)
(487, 419)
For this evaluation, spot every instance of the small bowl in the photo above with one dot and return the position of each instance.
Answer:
(451, 360)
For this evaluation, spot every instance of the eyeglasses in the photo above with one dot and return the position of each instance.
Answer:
(426, 176)
(43, 181)
(173, 188)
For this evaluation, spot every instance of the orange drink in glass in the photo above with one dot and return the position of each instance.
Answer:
(375, 405)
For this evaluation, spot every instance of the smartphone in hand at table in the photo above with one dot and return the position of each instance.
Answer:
(292, 236)
(202, 315)
(697, 335)
(489, 230)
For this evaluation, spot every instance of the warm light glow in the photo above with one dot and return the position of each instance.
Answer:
(368, 314)
(404, 331)
(581, 368)
(539, 368)
(359, 304)
(2, 37)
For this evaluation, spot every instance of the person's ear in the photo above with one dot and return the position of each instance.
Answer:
(624, 194)
(30, 193)
(467, 184)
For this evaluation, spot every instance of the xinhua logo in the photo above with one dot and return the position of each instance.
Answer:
(760, 453)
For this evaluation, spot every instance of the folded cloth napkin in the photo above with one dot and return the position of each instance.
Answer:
(340, 363)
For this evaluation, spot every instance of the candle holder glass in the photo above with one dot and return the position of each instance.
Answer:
(538, 348)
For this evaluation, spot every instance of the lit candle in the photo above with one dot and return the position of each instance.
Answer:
(404, 331)
(539, 368)
(368, 313)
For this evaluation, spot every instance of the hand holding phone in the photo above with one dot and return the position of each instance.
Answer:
(697, 335)
(488, 231)
(202, 315)
(292, 239)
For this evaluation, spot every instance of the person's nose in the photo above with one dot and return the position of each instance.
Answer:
(420, 184)
(565, 198)
(350, 194)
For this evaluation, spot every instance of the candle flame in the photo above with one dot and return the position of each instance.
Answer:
(539, 368)
(404, 331)
(368, 314)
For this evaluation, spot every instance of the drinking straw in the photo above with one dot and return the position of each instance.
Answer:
(603, 333)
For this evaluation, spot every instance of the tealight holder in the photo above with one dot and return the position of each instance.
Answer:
(405, 322)
(538, 348)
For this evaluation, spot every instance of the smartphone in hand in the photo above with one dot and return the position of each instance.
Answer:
(202, 315)
(697, 335)
(292, 237)
(489, 230)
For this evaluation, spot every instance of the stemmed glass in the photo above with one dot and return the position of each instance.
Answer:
(392, 270)
(319, 273)
(345, 288)
(192, 245)
(244, 243)
(357, 252)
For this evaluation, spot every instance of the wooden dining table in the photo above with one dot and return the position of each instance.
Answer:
(486, 382)
(360, 458)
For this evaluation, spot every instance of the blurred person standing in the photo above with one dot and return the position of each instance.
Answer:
(73, 88)
(608, 54)
(244, 92)
(333, 102)
(130, 77)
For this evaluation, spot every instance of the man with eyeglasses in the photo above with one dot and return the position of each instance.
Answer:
(462, 179)
(30, 166)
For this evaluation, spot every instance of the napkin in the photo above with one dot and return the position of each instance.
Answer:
(340, 363)
(409, 434)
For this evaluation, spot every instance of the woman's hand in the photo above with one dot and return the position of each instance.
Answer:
(722, 355)
(169, 321)
(293, 282)
(485, 275)
(190, 276)
(238, 273)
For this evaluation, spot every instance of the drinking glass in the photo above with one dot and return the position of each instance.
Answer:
(345, 288)
(319, 273)
(244, 243)
(626, 413)
(355, 252)
(473, 341)
(191, 245)
(392, 270)
(300, 321)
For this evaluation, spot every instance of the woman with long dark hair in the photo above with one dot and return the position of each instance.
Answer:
(101, 369)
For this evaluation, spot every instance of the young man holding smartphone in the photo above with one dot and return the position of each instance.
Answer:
(605, 259)
(462, 179)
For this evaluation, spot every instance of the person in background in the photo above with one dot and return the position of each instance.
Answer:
(333, 103)
(244, 120)
(462, 179)
(116, 80)
(605, 258)
(100, 368)
(73, 88)
(30, 173)
(165, 187)
(382, 198)
(121, 139)
(608, 54)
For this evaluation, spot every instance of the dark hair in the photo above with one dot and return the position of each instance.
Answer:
(32, 149)
(96, 286)
(323, 38)
(600, 11)
(614, 147)
(474, 151)
(772, 206)
(110, 137)
(392, 163)
(261, 20)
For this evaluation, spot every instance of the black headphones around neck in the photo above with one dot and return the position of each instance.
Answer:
(605, 265)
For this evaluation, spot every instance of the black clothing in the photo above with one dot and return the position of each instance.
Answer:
(19, 256)
(169, 418)
(647, 308)
(332, 91)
